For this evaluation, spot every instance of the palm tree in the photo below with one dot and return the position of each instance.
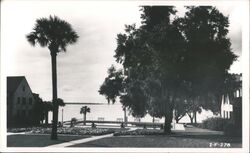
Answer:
(55, 34)
(84, 110)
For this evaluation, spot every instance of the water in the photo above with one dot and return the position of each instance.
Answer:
(112, 112)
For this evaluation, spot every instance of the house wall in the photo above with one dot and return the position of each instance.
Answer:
(23, 101)
(226, 107)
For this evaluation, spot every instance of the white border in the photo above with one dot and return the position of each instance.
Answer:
(245, 64)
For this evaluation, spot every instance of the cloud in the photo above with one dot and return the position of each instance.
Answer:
(82, 69)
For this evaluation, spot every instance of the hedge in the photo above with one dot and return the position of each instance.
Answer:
(222, 124)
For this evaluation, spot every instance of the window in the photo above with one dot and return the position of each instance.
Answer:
(224, 114)
(23, 100)
(30, 101)
(23, 113)
(18, 100)
(23, 88)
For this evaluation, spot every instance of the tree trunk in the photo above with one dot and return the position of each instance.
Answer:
(195, 119)
(167, 124)
(177, 119)
(168, 121)
(54, 93)
(84, 122)
(191, 118)
(125, 116)
(46, 118)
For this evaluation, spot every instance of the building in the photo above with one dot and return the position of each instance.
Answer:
(226, 107)
(21, 102)
(231, 104)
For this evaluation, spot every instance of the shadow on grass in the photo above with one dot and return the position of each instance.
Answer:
(38, 140)
(209, 137)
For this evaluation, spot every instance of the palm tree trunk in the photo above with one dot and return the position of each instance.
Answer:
(84, 120)
(54, 93)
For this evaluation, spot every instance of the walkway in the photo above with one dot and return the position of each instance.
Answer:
(84, 140)
(74, 142)
(17, 133)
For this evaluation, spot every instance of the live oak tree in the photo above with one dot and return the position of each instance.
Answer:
(173, 62)
(56, 34)
(144, 54)
(156, 51)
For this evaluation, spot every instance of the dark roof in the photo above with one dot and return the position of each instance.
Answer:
(13, 82)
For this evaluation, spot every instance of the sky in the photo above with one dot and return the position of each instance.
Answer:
(82, 69)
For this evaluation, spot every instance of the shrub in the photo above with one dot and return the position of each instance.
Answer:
(93, 125)
(217, 124)
(122, 125)
(73, 122)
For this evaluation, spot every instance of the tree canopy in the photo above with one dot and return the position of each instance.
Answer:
(52, 32)
(171, 61)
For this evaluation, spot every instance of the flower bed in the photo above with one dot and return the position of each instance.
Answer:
(17, 130)
(67, 130)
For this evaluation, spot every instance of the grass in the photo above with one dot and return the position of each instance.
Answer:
(33, 140)
(148, 138)
(160, 141)
(191, 138)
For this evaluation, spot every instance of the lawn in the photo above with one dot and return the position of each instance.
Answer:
(34, 140)
(191, 138)
(148, 138)
(161, 141)
(40, 136)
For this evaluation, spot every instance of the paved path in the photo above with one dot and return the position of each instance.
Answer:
(84, 140)
(17, 133)
(74, 142)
